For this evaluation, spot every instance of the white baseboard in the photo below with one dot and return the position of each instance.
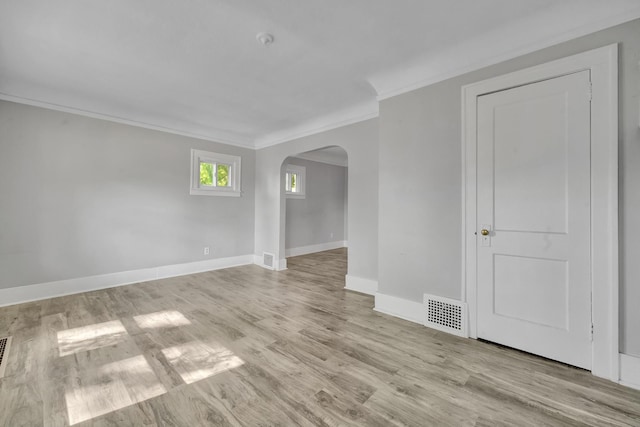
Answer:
(21, 294)
(360, 284)
(303, 250)
(257, 260)
(630, 371)
(400, 307)
(281, 264)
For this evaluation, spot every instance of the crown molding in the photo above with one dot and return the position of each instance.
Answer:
(341, 118)
(358, 113)
(219, 137)
(398, 83)
(386, 86)
(311, 158)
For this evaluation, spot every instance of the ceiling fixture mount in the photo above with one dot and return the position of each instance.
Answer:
(264, 38)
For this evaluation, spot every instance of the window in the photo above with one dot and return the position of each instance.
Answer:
(214, 174)
(295, 179)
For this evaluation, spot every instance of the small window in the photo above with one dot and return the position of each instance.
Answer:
(214, 174)
(295, 179)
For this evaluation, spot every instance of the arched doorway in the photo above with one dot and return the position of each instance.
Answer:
(314, 211)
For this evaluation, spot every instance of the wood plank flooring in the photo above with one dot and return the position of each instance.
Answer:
(251, 347)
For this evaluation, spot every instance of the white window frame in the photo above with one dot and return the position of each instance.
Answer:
(200, 156)
(301, 181)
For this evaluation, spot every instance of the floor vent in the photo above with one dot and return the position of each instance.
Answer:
(267, 259)
(5, 344)
(446, 315)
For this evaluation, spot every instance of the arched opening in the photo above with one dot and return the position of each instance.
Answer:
(314, 208)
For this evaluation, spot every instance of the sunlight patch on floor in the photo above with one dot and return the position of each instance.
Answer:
(195, 361)
(161, 319)
(71, 341)
(112, 387)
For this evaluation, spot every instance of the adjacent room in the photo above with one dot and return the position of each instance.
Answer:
(368, 213)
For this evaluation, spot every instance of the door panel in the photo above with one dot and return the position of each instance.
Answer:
(531, 289)
(533, 180)
(530, 165)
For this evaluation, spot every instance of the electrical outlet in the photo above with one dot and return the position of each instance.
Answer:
(206, 250)
(331, 236)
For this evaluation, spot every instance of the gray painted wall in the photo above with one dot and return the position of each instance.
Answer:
(82, 197)
(360, 141)
(320, 216)
(420, 209)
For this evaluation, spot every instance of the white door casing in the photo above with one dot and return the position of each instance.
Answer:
(602, 65)
(533, 170)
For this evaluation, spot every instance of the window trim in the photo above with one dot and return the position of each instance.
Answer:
(234, 162)
(301, 181)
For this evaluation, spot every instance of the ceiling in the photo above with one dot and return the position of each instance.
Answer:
(332, 155)
(194, 67)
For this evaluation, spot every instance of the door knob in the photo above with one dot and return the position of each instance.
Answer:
(484, 232)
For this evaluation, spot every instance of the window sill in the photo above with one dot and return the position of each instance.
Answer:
(224, 193)
(295, 196)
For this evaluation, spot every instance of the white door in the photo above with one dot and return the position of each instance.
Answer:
(533, 180)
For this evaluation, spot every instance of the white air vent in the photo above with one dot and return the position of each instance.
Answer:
(267, 259)
(5, 344)
(446, 315)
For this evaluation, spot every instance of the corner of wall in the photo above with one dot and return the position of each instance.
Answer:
(278, 264)
(630, 371)
(360, 284)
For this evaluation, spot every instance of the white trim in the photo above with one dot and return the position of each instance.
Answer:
(278, 265)
(258, 260)
(281, 264)
(364, 111)
(214, 136)
(630, 371)
(360, 284)
(331, 121)
(311, 249)
(400, 307)
(40, 291)
(311, 158)
(295, 196)
(603, 65)
(346, 117)
(301, 181)
(395, 85)
(235, 174)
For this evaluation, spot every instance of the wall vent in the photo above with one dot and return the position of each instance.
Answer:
(446, 315)
(267, 259)
(5, 344)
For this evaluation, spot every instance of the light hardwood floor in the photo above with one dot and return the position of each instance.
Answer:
(247, 346)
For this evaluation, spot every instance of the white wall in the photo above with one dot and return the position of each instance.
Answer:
(360, 141)
(82, 197)
(420, 209)
(319, 217)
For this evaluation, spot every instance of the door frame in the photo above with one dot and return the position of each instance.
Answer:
(603, 65)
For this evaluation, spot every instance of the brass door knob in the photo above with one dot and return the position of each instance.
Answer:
(484, 232)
